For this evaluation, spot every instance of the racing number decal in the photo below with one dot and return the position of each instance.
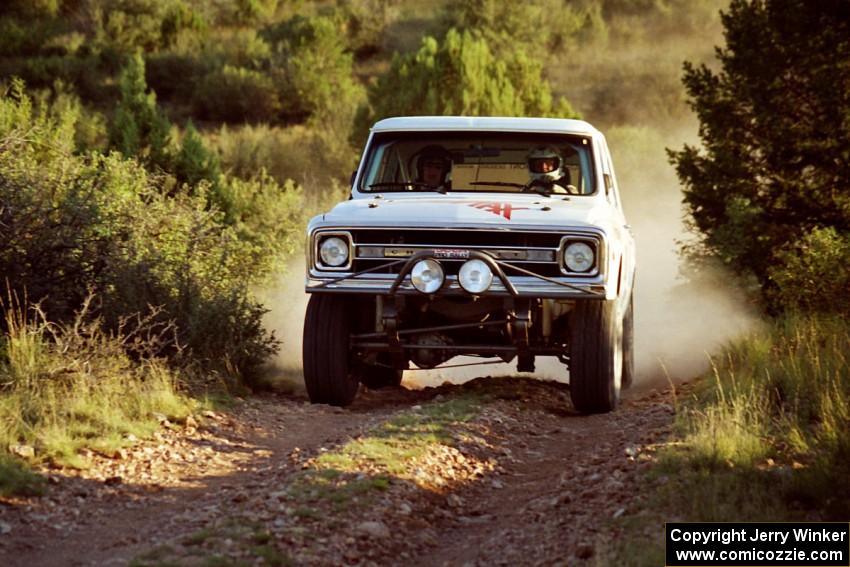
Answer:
(503, 209)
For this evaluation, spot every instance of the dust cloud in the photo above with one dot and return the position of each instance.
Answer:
(287, 304)
(678, 322)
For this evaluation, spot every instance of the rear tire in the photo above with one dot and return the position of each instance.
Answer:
(329, 376)
(596, 356)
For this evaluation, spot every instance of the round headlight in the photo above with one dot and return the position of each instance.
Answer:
(475, 276)
(427, 276)
(334, 251)
(578, 257)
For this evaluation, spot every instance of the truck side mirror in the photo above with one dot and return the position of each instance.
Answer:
(353, 175)
(609, 184)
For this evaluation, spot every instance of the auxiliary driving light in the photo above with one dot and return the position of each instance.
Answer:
(334, 251)
(427, 275)
(578, 257)
(475, 276)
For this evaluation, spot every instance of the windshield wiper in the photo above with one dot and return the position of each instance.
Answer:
(420, 186)
(498, 184)
(543, 188)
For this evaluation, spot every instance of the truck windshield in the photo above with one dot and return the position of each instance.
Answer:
(478, 162)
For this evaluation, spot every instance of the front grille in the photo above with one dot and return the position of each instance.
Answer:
(534, 251)
(459, 238)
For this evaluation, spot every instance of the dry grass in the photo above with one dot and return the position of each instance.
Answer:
(765, 438)
(68, 388)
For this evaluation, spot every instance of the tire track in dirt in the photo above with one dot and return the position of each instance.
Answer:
(556, 479)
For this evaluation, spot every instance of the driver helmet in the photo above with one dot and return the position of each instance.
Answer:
(435, 156)
(545, 164)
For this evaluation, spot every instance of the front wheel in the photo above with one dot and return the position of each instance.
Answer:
(629, 344)
(329, 376)
(596, 356)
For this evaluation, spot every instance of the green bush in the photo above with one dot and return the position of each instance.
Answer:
(461, 76)
(79, 223)
(537, 25)
(315, 159)
(194, 163)
(236, 94)
(90, 132)
(316, 80)
(814, 274)
(365, 23)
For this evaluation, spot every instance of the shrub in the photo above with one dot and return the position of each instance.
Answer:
(813, 275)
(315, 159)
(73, 223)
(316, 82)
(267, 216)
(194, 162)
(537, 25)
(461, 76)
(236, 94)
(366, 22)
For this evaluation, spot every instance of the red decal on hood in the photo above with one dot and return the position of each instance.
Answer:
(497, 208)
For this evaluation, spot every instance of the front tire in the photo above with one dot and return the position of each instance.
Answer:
(629, 344)
(596, 356)
(329, 376)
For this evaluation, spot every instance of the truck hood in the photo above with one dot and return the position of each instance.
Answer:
(489, 210)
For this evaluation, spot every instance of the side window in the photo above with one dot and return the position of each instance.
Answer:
(611, 189)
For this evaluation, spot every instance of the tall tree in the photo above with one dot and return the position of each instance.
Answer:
(461, 75)
(140, 129)
(774, 164)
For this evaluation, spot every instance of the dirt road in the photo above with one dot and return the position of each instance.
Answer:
(499, 471)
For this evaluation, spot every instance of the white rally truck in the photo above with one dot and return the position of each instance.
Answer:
(487, 237)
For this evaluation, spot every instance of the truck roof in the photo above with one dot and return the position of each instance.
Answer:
(494, 123)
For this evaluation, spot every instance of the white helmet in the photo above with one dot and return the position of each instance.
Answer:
(545, 164)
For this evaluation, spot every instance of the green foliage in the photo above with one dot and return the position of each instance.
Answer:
(74, 223)
(314, 158)
(462, 76)
(194, 163)
(268, 217)
(32, 8)
(813, 274)
(537, 25)
(773, 424)
(317, 82)
(122, 27)
(139, 129)
(365, 23)
(776, 146)
(65, 387)
(236, 94)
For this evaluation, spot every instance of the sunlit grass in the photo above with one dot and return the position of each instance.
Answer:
(64, 389)
(766, 437)
(369, 464)
(393, 445)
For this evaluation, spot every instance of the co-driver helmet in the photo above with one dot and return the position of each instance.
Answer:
(545, 164)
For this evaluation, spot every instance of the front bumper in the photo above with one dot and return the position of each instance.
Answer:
(503, 285)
